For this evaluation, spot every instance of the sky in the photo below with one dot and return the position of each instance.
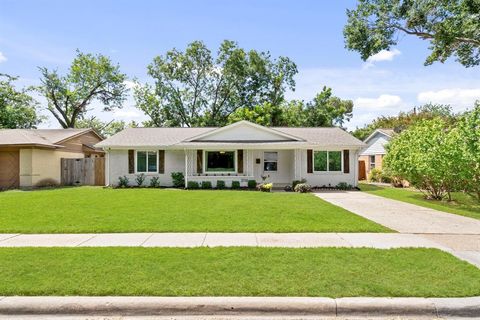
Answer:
(46, 33)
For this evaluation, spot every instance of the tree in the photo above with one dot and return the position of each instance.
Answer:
(193, 88)
(325, 110)
(451, 26)
(428, 156)
(105, 129)
(90, 78)
(18, 110)
(404, 120)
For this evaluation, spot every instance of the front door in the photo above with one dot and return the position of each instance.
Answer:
(276, 165)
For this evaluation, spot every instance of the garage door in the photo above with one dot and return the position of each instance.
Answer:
(9, 169)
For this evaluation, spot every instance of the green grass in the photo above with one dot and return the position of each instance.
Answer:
(463, 204)
(235, 271)
(94, 209)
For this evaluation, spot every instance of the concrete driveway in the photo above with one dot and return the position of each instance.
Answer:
(460, 234)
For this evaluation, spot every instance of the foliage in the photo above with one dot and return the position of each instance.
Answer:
(192, 185)
(466, 136)
(344, 186)
(90, 78)
(295, 182)
(375, 175)
(252, 184)
(123, 182)
(194, 88)
(105, 129)
(404, 120)
(288, 188)
(427, 157)
(325, 110)
(139, 179)
(302, 188)
(178, 179)
(18, 110)
(220, 184)
(235, 184)
(155, 182)
(451, 27)
(265, 187)
(206, 185)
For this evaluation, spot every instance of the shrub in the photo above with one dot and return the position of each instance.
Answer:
(342, 186)
(252, 184)
(206, 185)
(178, 179)
(140, 178)
(303, 188)
(288, 188)
(295, 182)
(375, 175)
(47, 182)
(265, 187)
(235, 184)
(123, 182)
(220, 184)
(155, 182)
(193, 185)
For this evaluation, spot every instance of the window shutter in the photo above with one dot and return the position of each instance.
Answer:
(346, 161)
(199, 161)
(309, 161)
(131, 161)
(161, 161)
(240, 161)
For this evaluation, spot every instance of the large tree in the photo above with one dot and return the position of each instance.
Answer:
(18, 110)
(404, 120)
(104, 128)
(90, 78)
(325, 110)
(196, 88)
(452, 27)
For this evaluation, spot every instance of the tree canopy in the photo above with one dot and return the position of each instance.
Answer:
(105, 129)
(404, 120)
(90, 78)
(452, 27)
(196, 88)
(18, 110)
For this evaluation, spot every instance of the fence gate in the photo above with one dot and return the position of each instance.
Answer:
(83, 171)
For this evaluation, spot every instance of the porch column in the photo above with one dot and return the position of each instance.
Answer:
(186, 168)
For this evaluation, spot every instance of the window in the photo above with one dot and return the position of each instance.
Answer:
(372, 162)
(220, 161)
(146, 161)
(270, 160)
(327, 161)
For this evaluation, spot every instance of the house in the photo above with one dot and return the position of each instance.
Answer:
(238, 152)
(372, 155)
(31, 157)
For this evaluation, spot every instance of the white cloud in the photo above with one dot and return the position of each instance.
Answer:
(383, 55)
(457, 98)
(130, 84)
(2, 57)
(384, 101)
(126, 114)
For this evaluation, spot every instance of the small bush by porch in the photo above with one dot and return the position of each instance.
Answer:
(94, 209)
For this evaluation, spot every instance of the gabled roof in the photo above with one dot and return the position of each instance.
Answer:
(48, 138)
(387, 132)
(192, 137)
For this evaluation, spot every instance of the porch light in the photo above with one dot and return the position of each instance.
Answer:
(222, 152)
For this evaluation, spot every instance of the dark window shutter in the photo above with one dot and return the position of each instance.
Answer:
(199, 161)
(161, 161)
(131, 161)
(346, 161)
(309, 161)
(240, 161)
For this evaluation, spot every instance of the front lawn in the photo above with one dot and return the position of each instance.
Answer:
(95, 209)
(463, 204)
(235, 271)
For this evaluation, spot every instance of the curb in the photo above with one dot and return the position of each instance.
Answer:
(170, 306)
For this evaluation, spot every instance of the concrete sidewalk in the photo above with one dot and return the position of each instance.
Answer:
(295, 240)
(242, 306)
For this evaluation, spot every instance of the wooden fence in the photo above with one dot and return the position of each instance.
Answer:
(83, 171)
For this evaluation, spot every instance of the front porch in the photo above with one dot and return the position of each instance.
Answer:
(276, 166)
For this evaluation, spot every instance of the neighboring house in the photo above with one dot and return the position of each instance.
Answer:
(31, 157)
(372, 155)
(238, 152)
